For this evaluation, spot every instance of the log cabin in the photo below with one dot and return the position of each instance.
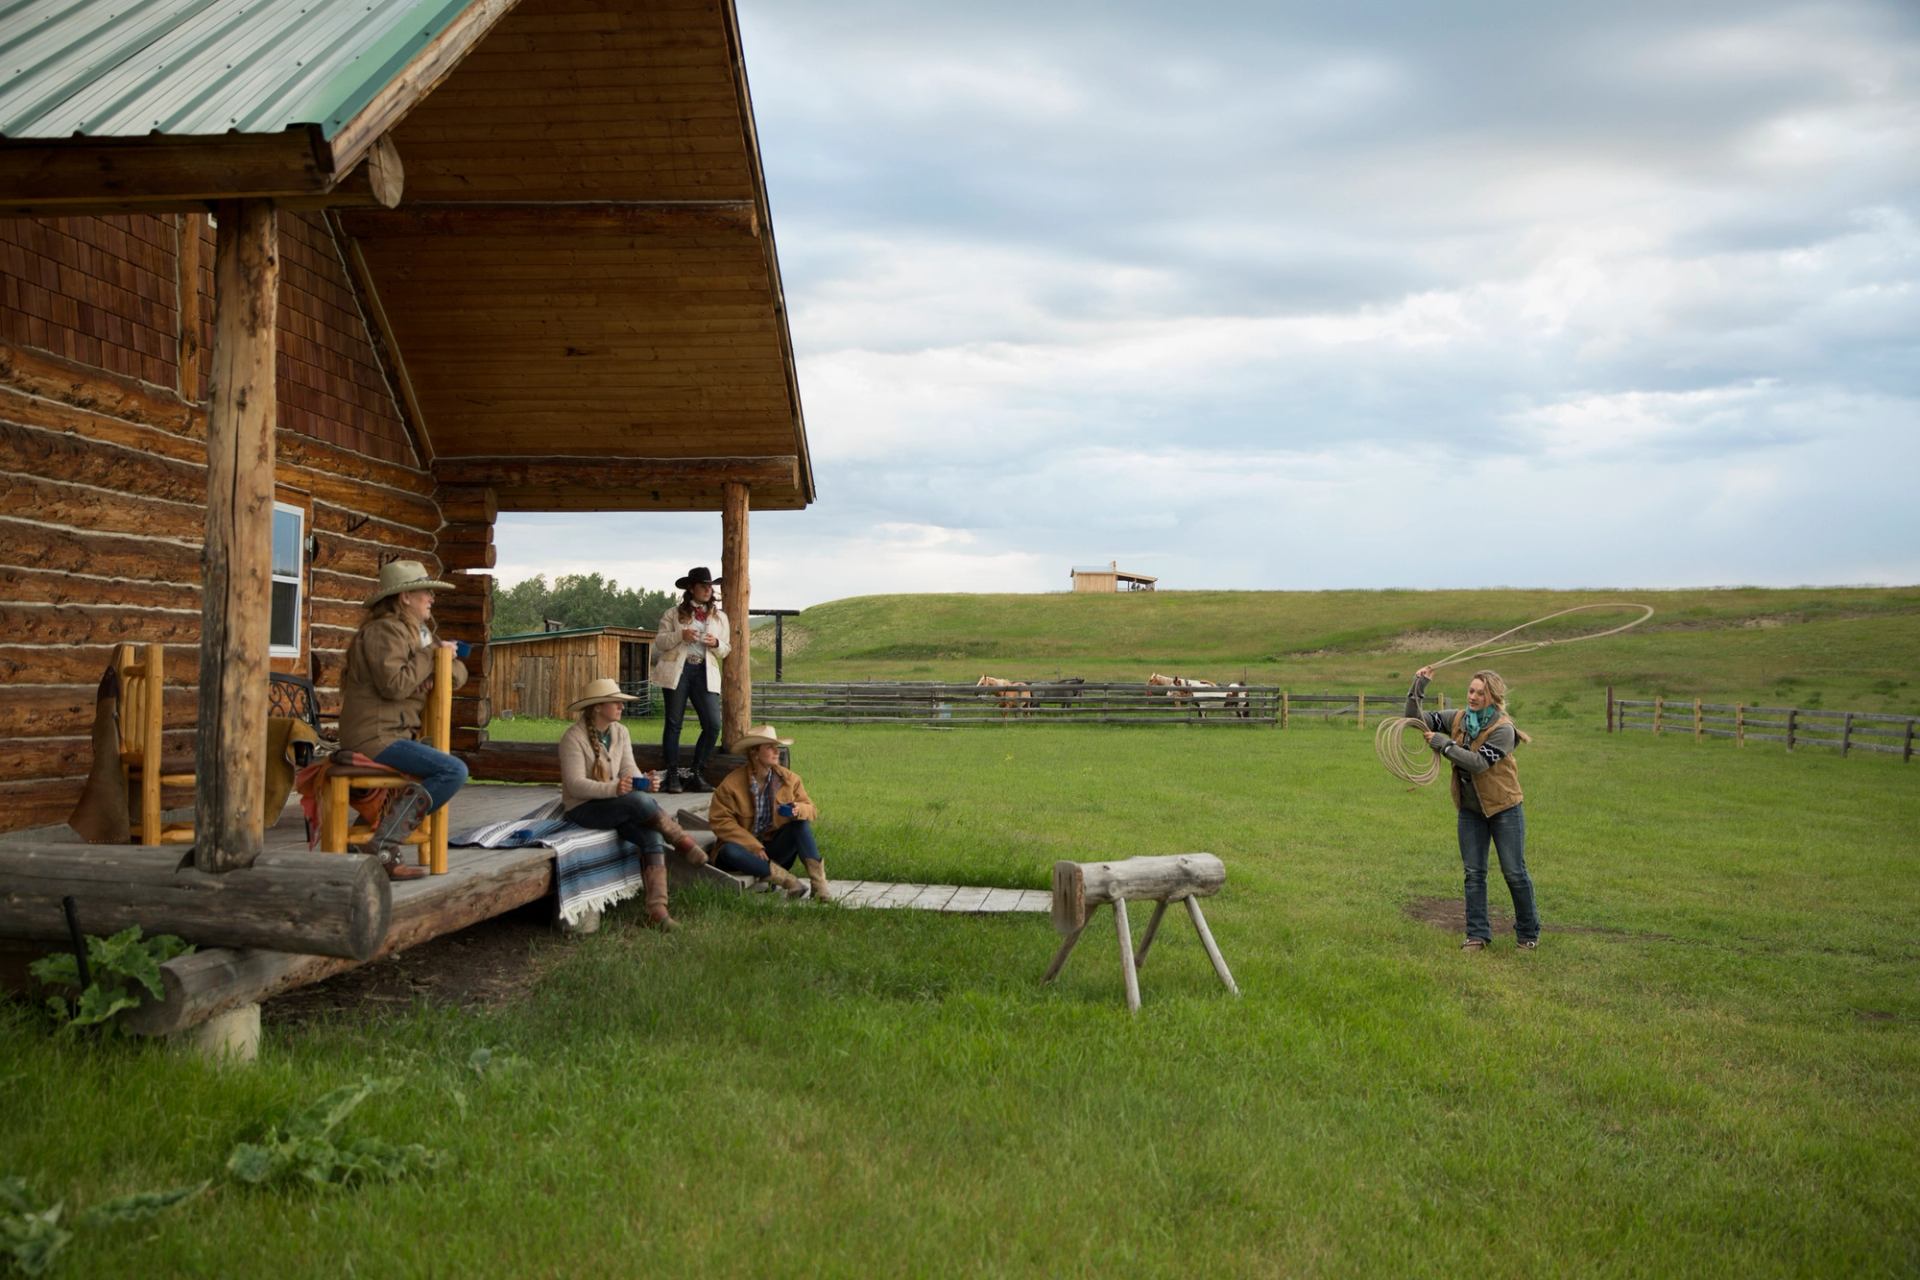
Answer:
(290, 288)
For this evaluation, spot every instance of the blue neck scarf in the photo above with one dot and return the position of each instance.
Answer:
(1478, 720)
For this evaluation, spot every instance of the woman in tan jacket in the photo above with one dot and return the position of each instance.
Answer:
(598, 780)
(383, 692)
(763, 818)
(687, 648)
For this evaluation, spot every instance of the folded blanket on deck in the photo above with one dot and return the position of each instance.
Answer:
(592, 869)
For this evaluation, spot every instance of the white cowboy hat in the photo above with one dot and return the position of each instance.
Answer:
(397, 576)
(601, 690)
(758, 735)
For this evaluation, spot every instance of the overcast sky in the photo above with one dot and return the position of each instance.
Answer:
(1289, 295)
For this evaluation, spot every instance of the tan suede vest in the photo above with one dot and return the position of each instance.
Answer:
(1498, 788)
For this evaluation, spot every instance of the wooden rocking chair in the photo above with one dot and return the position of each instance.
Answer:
(337, 829)
(142, 670)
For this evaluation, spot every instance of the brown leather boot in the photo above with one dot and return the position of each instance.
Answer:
(683, 844)
(817, 877)
(654, 878)
(783, 880)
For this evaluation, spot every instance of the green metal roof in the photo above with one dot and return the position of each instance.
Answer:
(129, 68)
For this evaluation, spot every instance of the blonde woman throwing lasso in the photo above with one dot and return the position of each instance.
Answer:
(1478, 741)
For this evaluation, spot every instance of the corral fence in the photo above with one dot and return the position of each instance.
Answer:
(1846, 731)
(1056, 702)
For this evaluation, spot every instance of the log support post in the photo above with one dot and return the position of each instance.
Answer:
(230, 769)
(736, 685)
(1081, 887)
(464, 547)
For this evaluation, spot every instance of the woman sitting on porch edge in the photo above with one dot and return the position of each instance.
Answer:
(602, 788)
(763, 818)
(383, 692)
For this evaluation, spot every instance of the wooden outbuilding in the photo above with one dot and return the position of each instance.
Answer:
(1109, 579)
(540, 672)
(289, 288)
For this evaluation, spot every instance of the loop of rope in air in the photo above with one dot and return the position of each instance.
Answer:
(1411, 760)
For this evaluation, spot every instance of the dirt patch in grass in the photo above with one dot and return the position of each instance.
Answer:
(487, 965)
(1451, 914)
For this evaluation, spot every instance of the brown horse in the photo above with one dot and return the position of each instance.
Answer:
(1184, 689)
(1015, 698)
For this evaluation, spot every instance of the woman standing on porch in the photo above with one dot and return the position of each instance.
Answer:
(1478, 741)
(383, 692)
(597, 777)
(687, 648)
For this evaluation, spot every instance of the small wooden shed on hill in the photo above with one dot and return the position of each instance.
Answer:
(295, 287)
(1109, 579)
(539, 672)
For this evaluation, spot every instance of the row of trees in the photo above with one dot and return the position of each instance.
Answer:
(575, 600)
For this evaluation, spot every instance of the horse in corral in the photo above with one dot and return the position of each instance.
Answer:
(1015, 697)
(1058, 693)
(1187, 688)
(1237, 700)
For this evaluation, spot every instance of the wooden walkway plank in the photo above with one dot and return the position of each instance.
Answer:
(968, 899)
(934, 897)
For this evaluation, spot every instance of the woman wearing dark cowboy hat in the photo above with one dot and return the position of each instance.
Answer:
(687, 648)
(382, 694)
(597, 776)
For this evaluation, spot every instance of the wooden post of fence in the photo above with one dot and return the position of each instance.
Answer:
(1609, 708)
(1659, 711)
(1846, 735)
(1363, 711)
(1284, 708)
(1739, 724)
(1906, 751)
(1696, 720)
(1793, 714)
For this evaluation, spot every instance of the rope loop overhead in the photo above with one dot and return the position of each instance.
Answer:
(1410, 759)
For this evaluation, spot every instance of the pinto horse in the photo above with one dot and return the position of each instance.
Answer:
(1186, 688)
(1015, 698)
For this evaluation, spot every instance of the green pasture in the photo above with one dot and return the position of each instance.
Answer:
(1841, 648)
(1710, 1067)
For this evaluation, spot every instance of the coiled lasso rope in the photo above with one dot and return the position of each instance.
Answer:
(1410, 759)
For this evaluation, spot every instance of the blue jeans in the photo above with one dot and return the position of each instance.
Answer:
(706, 704)
(440, 773)
(633, 815)
(1507, 830)
(795, 840)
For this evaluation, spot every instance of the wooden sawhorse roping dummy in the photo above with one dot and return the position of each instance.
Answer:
(1080, 887)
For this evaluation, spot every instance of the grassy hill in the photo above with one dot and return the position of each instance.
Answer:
(1856, 648)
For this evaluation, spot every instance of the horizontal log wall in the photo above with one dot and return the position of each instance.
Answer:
(104, 325)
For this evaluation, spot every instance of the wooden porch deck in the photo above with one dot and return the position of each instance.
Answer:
(479, 884)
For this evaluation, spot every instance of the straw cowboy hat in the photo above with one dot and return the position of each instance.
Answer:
(699, 573)
(397, 576)
(758, 735)
(601, 690)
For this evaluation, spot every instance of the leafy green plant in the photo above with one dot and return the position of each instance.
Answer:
(118, 965)
(32, 1238)
(303, 1147)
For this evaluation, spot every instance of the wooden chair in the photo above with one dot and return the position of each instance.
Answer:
(337, 828)
(142, 670)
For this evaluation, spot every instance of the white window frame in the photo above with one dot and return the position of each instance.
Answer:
(299, 585)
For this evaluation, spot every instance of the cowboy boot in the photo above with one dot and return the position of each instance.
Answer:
(783, 880)
(670, 781)
(653, 877)
(676, 835)
(397, 821)
(696, 780)
(817, 878)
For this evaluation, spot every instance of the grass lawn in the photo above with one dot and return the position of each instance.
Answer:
(1711, 1066)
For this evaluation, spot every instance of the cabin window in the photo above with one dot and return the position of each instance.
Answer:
(289, 541)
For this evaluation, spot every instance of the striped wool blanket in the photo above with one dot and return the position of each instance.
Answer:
(592, 869)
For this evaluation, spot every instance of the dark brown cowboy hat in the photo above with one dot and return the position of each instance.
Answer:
(697, 574)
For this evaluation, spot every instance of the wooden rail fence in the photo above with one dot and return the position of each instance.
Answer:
(1846, 731)
(1051, 702)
